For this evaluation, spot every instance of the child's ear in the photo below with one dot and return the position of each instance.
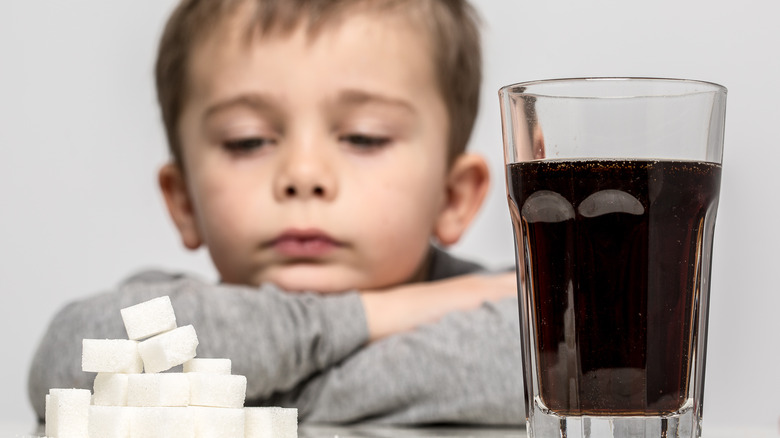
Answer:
(467, 184)
(177, 198)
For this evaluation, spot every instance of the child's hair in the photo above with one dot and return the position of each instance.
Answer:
(451, 24)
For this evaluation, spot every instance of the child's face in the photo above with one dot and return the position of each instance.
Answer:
(315, 163)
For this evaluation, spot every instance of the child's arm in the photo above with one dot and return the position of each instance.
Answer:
(274, 338)
(466, 368)
(406, 307)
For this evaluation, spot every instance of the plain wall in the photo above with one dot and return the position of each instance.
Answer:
(81, 141)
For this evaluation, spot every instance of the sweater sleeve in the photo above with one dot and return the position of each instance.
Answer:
(466, 369)
(275, 339)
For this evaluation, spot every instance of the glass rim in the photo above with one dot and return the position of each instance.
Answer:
(543, 88)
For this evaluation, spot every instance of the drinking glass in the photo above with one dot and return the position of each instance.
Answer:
(613, 188)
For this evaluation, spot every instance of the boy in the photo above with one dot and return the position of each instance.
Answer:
(318, 151)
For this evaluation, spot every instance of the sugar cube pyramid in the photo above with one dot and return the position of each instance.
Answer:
(133, 398)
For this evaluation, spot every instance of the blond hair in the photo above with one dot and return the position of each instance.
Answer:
(451, 24)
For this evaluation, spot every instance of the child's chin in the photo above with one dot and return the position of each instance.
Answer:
(317, 281)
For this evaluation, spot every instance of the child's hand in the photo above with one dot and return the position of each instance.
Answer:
(405, 307)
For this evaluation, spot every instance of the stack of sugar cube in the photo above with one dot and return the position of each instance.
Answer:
(133, 398)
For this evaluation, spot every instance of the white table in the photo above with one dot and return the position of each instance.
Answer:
(479, 432)
(18, 429)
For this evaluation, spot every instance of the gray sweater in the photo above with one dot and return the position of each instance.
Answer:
(310, 351)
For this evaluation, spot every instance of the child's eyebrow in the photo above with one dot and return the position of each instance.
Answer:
(264, 104)
(253, 101)
(360, 97)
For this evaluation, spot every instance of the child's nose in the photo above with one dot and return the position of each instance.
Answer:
(305, 176)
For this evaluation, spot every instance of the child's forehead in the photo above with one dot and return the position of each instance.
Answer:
(351, 38)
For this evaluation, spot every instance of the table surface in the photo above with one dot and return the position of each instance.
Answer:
(15, 429)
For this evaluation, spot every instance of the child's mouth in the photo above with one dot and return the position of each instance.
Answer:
(304, 244)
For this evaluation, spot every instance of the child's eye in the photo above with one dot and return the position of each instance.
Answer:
(247, 144)
(365, 141)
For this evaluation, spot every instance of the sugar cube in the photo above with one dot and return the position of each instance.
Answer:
(163, 389)
(208, 365)
(161, 422)
(217, 390)
(110, 389)
(165, 351)
(109, 422)
(149, 318)
(218, 422)
(110, 356)
(67, 413)
(271, 422)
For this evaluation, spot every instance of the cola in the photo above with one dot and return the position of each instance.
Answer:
(614, 253)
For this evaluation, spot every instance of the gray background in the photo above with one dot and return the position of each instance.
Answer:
(80, 144)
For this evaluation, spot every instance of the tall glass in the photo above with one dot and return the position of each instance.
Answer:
(613, 189)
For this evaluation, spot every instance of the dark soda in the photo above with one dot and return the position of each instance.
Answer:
(615, 252)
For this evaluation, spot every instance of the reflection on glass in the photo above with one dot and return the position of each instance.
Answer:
(610, 201)
(547, 206)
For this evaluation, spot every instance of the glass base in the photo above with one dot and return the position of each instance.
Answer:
(544, 423)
